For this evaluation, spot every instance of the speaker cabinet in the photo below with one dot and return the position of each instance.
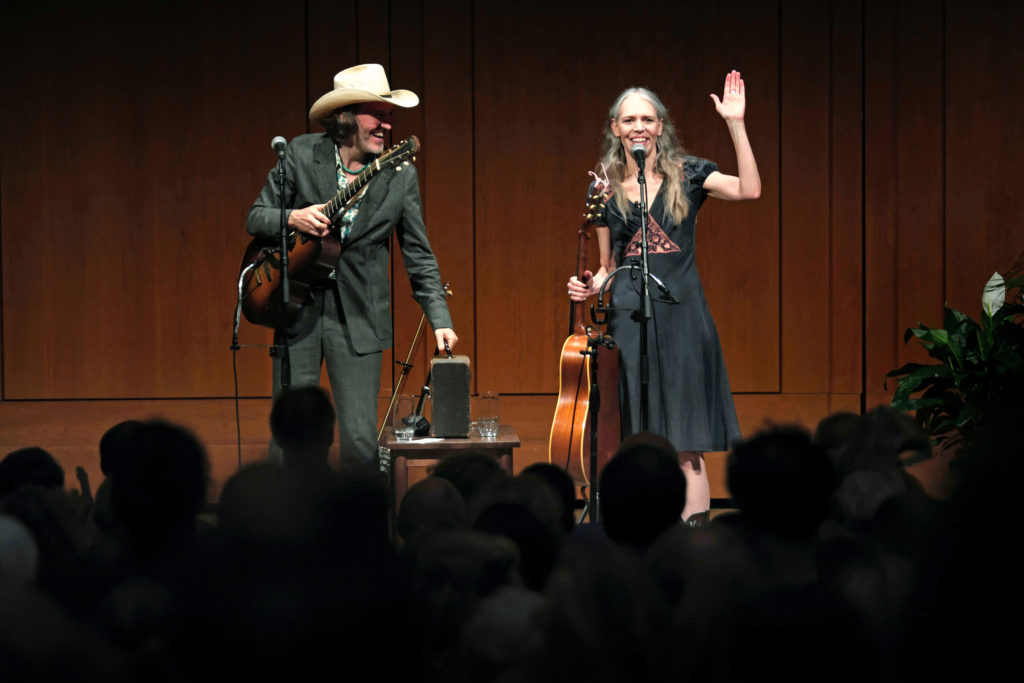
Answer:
(449, 396)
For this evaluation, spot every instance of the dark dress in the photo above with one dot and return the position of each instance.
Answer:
(690, 400)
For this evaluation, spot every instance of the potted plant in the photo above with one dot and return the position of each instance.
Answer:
(979, 368)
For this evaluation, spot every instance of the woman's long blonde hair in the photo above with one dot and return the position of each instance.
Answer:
(669, 163)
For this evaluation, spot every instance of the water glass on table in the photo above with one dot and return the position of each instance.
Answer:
(403, 426)
(488, 415)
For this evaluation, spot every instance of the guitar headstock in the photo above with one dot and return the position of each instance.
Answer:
(401, 154)
(595, 210)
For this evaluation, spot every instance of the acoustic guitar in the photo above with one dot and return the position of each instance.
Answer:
(309, 258)
(568, 440)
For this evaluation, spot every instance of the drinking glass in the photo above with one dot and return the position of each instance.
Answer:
(404, 407)
(488, 415)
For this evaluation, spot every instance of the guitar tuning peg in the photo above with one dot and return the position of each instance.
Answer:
(398, 168)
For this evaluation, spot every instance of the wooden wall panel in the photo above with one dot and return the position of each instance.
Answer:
(535, 130)
(882, 333)
(335, 40)
(919, 164)
(405, 70)
(373, 29)
(125, 190)
(821, 288)
(846, 331)
(805, 189)
(737, 243)
(984, 139)
(447, 178)
(904, 184)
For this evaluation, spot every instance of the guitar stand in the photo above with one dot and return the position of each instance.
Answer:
(595, 339)
(585, 510)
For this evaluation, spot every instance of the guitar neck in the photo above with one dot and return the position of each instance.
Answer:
(346, 195)
(577, 322)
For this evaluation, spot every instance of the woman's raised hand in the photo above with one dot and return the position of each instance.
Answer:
(734, 97)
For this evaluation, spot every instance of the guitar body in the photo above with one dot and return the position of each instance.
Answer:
(569, 440)
(309, 259)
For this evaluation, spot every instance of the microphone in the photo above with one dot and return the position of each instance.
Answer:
(639, 154)
(278, 144)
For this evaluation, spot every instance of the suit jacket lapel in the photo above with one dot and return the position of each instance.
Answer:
(376, 190)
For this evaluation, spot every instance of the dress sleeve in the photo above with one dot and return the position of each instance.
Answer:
(695, 172)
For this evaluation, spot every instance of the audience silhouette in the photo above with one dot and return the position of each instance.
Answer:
(833, 562)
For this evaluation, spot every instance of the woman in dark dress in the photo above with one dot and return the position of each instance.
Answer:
(690, 400)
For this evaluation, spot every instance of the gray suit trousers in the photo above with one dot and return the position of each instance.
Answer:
(320, 334)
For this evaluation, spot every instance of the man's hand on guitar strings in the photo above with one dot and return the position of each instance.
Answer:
(310, 220)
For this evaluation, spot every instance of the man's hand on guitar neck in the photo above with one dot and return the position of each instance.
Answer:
(310, 220)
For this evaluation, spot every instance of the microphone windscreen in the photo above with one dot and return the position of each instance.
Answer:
(639, 153)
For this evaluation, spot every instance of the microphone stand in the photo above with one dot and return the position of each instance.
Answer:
(280, 346)
(645, 312)
(599, 314)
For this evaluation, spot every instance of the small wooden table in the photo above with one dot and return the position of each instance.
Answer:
(423, 453)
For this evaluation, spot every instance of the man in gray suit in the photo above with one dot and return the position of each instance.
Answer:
(346, 319)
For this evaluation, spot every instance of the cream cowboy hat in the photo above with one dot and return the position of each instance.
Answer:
(363, 83)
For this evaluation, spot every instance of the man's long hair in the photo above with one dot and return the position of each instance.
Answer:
(669, 163)
(342, 123)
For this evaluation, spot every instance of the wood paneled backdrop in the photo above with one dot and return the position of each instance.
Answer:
(135, 138)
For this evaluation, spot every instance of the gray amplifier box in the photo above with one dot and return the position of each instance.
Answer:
(449, 396)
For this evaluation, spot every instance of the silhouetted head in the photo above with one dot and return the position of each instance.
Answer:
(781, 481)
(833, 431)
(527, 511)
(112, 445)
(562, 483)
(877, 441)
(642, 490)
(302, 423)
(469, 472)
(433, 503)
(29, 466)
(161, 483)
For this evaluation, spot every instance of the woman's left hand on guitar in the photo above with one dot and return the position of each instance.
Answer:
(581, 290)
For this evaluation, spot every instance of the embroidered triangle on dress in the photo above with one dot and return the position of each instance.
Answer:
(657, 241)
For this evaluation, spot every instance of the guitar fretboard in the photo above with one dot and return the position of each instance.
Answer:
(342, 199)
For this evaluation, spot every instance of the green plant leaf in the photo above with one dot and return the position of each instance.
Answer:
(922, 377)
(905, 369)
(970, 412)
(979, 367)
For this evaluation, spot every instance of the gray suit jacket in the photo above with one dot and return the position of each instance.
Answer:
(391, 204)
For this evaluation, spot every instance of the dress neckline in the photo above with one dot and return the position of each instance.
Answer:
(635, 206)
